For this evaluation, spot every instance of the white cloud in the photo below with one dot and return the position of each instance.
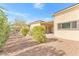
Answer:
(38, 5)
(16, 13)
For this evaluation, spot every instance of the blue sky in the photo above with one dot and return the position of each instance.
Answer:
(33, 11)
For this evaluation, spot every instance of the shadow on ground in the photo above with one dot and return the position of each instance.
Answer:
(43, 51)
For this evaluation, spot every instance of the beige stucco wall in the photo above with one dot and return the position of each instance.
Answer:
(66, 17)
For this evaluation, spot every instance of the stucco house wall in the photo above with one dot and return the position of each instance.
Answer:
(67, 15)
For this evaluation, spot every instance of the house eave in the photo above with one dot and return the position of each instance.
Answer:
(71, 8)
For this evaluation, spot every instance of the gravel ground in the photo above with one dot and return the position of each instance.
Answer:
(23, 46)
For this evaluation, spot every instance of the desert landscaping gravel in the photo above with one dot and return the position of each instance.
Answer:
(24, 46)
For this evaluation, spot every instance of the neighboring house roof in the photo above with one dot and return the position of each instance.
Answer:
(49, 24)
(39, 21)
(70, 8)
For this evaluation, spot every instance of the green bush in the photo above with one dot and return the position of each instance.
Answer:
(24, 31)
(38, 34)
(4, 28)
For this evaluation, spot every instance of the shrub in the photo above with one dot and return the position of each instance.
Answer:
(4, 28)
(24, 31)
(38, 34)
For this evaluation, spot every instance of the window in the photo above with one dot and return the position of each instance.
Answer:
(78, 24)
(74, 24)
(59, 26)
(66, 25)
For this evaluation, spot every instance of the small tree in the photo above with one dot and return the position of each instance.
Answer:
(38, 34)
(19, 23)
(24, 31)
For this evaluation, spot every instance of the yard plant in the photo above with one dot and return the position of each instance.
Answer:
(24, 30)
(38, 34)
(4, 28)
